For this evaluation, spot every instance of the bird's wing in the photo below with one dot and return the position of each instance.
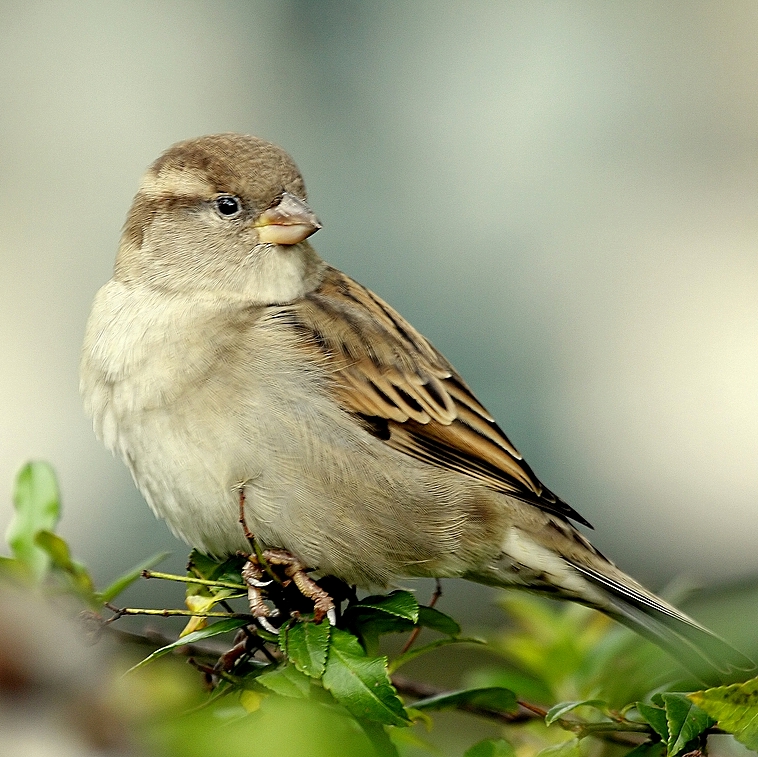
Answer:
(405, 392)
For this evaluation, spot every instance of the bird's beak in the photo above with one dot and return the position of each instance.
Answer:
(288, 222)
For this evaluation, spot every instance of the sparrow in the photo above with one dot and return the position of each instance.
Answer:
(230, 366)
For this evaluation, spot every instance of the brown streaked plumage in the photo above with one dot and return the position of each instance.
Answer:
(409, 395)
(226, 356)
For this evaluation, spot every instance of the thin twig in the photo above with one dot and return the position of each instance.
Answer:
(626, 733)
(191, 580)
(538, 711)
(418, 690)
(155, 639)
(121, 611)
(417, 630)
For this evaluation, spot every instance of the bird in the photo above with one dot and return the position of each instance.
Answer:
(234, 370)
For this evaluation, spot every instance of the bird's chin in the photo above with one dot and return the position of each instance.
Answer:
(274, 274)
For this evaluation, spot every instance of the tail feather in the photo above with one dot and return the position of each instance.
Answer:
(702, 652)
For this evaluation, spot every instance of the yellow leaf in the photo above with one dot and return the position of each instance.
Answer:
(195, 624)
(251, 700)
(199, 604)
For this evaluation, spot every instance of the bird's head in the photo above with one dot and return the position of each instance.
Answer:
(225, 213)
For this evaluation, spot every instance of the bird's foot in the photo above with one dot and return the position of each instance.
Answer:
(323, 604)
(253, 576)
(263, 570)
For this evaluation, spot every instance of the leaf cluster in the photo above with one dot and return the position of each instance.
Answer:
(564, 682)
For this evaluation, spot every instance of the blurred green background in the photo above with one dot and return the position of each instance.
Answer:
(561, 196)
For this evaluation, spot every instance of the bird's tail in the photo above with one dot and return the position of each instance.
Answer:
(703, 653)
(567, 566)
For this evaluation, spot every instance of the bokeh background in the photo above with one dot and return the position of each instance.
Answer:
(561, 196)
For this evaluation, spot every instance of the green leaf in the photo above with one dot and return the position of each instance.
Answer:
(656, 718)
(224, 577)
(11, 567)
(493, 698)
(528, 687)
(369, 619)
(57, 549)
(379, 738)
(418, 651)
(428, 617)
(401, 604)
(735, 708)
(306, 644)
(417, 717)
(286, 680)
(222, 626)
(491, 748)
(361, 684)
(657, 749)
(686, 721)
(202, 566)
(369, 624)
(570, 748)
(372, 624)
(410, 740)
(36, 499)
(127, 579)
(375, 616)
(559, 710)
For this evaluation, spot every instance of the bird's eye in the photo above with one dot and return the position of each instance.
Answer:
(228, 206)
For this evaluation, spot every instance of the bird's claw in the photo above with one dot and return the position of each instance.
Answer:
(258, 583)
(252, 576)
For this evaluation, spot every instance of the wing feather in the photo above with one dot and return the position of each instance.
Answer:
(406, 393)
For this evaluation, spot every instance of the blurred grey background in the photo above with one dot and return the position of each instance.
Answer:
(561, 196)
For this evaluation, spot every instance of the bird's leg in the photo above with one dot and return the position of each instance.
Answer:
(256, 553)
(323, 604)
(242, 520)
(252, 573)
